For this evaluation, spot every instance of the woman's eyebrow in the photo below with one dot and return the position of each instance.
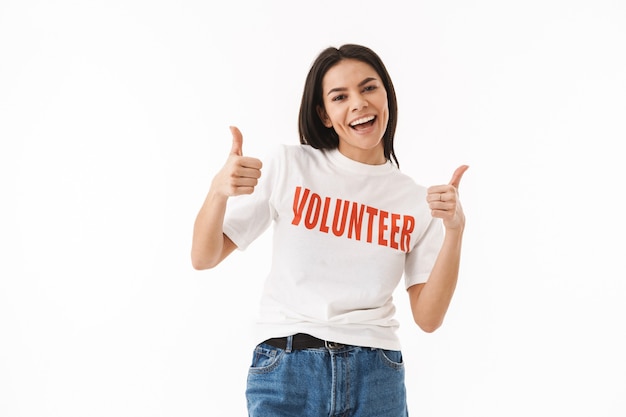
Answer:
(362, 83)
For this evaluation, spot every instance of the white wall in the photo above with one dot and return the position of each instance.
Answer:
(114, 115)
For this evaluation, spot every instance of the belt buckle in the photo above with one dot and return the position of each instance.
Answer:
(332, 345)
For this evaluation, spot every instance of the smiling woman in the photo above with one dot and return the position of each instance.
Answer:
(112, 118)
(355, 107)
(338, 90)
(347, 226)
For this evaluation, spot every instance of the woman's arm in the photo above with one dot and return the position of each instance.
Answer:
(238, 176)
(430, 301)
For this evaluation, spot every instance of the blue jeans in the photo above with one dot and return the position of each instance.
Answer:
(349, 381)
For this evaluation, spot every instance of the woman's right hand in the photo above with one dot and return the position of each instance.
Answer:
(240, 174)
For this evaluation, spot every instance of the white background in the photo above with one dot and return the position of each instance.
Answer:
(114, 116)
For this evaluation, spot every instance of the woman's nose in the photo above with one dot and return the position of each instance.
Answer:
(359, 103)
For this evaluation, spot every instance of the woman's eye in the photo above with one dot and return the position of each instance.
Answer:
(339, 97)
(370, 88)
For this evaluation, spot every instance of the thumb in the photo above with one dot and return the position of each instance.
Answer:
(237, 141)
(458, 173)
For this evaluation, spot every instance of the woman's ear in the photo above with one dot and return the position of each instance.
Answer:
(325, 119)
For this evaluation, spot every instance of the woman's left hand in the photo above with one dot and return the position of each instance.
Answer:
(444, 202)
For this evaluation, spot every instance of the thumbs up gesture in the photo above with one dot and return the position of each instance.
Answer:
(240, 174)
(444, 202)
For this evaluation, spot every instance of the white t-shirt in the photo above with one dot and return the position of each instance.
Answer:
(344, 235)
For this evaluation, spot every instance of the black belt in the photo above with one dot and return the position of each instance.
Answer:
(302, 341)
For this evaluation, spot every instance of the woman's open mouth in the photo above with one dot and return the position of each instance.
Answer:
(363, 123)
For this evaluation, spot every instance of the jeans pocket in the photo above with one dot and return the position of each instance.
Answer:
(391, 358)
(265, 358)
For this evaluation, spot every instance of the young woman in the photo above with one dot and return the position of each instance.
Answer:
(348, 225)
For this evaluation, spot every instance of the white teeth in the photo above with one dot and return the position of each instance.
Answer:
(362, 120)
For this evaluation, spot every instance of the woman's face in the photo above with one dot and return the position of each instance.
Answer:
(355, 106)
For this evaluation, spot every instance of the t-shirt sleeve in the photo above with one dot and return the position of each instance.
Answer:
(248, 216)
(421, 259)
